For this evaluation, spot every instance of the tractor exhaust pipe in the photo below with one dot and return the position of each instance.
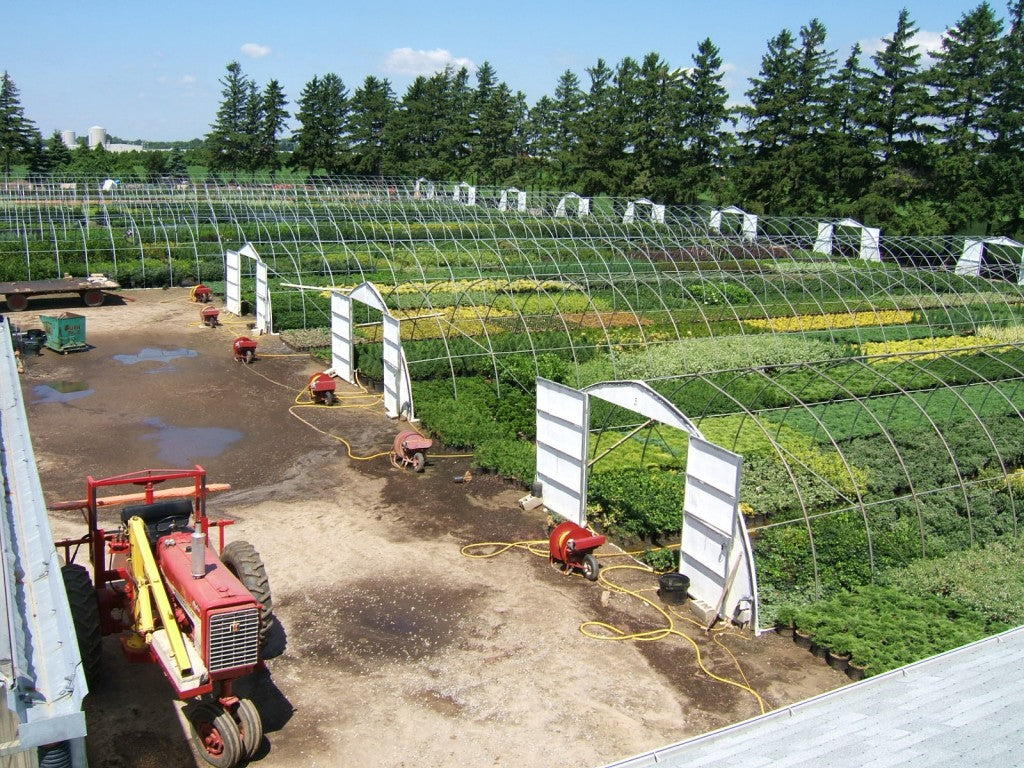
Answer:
(198, 554)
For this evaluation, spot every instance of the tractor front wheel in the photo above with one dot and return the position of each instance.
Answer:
(216, 735)
(590, 567)
(242, 559)
(251, 727)
(85, 615)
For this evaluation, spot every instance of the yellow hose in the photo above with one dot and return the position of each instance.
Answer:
(599, 630)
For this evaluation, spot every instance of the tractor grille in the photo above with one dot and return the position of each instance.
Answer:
(234, 639)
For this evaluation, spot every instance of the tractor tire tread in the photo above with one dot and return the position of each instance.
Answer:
(85, 615)
(242, 559)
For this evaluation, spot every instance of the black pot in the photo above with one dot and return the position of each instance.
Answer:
(672, 588)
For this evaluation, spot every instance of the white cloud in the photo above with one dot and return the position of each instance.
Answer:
(183, 80)
(927, 44)
(255, 50)
(406, 61)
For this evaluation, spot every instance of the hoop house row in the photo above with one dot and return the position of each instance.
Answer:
(872, 384)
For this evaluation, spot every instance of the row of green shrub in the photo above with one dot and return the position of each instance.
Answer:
(924, 608)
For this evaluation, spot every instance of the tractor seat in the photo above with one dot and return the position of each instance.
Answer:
(160, 517)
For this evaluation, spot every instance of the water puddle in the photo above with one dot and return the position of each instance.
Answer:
(60, 391)
(154, 355)
(184, 446)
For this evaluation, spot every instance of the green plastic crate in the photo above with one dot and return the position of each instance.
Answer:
(64, 333)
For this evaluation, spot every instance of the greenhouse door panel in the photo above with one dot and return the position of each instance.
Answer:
(715, 554)
(233, 283)
(562, 419)
(393, 365)
(341, 337)
(264, 320)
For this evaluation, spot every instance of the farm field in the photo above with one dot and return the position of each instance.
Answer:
(871, 384)
(390, 629)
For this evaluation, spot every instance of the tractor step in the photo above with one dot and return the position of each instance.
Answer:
(185, 685)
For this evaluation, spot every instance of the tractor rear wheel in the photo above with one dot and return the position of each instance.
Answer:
(216, 735)
(242, 559)
(85, 614)
(590, 567)
(251, 727)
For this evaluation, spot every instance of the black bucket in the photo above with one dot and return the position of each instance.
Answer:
(672, 588)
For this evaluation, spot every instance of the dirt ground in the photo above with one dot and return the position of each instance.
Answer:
(400, 650)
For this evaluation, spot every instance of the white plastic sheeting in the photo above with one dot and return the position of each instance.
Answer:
(512, 194)
(748, 221)
(869, 239)
(715, 551)
(973, 255)
(423, 189)
(657, 214)
(582, 206)
(469, 198)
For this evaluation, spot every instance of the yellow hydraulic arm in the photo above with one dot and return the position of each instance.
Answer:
(146, 574)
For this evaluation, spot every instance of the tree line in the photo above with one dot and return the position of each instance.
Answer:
(913, 143)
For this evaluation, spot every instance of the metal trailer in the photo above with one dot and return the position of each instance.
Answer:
(91, 289)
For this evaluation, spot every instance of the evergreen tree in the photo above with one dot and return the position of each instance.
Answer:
(897, 100)
(228, 142)
(897, 127)
(567, 116)
(58, 153)
(845, 141)
(176, 166)
(431, 126)
(1004, 162)
(37, 157)
(372, 109)
(964, 80)
(272, 120)
(761, 173)
(705, 120)
(602, 136)
(321, 141)
(16, 131)
(495, 128)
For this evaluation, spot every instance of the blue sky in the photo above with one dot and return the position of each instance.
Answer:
(148, 70)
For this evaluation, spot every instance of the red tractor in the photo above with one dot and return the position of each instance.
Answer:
(203, 614)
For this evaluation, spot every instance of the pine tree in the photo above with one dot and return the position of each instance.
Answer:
(567, 116)
(1004, 162)
(372, 109)
(58, 153)
(322, 140)
(964, 81)
(705, 119)
(845, 141)
(16, 131)
(599, 151)
(761, 174)
(272, 120)
(228, 142)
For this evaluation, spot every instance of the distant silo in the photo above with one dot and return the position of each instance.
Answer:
(68, 137)
(97, 136)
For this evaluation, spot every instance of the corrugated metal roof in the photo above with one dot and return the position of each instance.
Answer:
(963, 707)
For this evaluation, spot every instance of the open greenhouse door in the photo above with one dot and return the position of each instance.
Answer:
(715, 550)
